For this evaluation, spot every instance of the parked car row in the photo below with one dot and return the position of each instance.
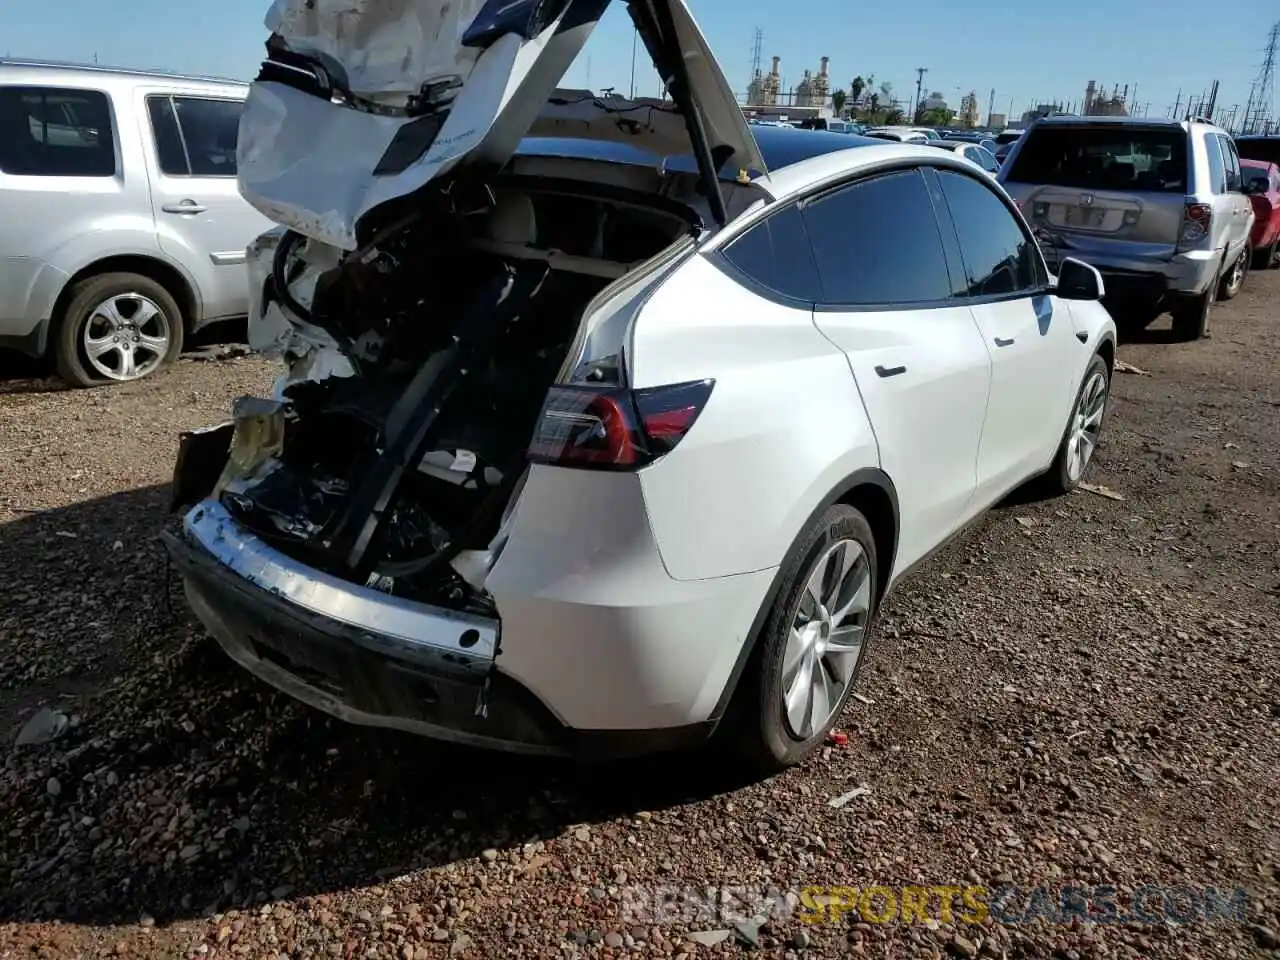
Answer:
(108, 272)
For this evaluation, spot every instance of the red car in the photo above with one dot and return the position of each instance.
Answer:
(1262, 184)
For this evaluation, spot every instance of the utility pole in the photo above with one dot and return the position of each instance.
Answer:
(991, 105)
(1177, 106)
(1213, 100)
(920, 72)
(635, 35)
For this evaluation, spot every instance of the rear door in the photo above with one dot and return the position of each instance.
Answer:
(1238, 219)
(916, 353)
(202, 220)
(1111, 188)
(1035, 356)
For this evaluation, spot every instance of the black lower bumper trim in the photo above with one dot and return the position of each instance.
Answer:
(316, 659)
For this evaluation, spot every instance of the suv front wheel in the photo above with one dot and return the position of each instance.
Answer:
(117, 327)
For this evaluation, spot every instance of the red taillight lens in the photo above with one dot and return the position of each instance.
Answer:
(614, 429)
(1197, 219)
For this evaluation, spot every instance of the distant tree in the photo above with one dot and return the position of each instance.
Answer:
(893, 115)
(856, 88)
(838, 100)
(886, 92)
(874, 101)
(935, 118)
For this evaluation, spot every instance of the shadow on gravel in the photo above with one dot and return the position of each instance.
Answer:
(189, 787)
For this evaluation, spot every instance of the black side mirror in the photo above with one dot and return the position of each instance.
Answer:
(1079, 281)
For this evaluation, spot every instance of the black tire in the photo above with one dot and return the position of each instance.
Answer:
(1133, 316)
(73, 363)
(757, 724)
(1234, 276)
(1058, 479)
(1191, 314)
(1264, 258)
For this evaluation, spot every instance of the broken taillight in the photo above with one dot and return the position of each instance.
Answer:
(609, 428)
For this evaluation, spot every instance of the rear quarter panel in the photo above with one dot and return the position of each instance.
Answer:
(783, 427)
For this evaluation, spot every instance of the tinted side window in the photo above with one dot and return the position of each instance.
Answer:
(170, 152)
(877, 242)
(1217, 166)
(54, 132)
(210, 129)
(777, 254)
(999, 257)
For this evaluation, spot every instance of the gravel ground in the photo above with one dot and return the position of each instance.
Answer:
(1081, 692)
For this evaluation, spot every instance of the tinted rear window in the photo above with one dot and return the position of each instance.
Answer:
(53, 132)
(1261, 149)
(1151, 159)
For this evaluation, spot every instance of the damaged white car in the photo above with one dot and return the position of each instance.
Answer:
(605, 423)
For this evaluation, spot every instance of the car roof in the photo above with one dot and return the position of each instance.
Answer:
(829, 166)
(782, 148)
(93, 69)
(1259, 164)
(797, 159)
(948, 142)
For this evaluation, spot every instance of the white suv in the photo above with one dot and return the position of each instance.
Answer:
(122, 227)
(605, 439)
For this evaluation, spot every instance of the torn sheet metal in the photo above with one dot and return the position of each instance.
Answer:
(318, 166)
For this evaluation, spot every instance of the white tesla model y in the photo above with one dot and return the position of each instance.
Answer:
(605, 424)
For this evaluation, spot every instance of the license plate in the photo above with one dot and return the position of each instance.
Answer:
(1084, 216)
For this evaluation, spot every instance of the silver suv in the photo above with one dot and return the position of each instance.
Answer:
(1156, 205)
(121, 226)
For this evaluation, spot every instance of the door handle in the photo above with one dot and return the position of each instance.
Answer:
(186, 206)
(890, 371)
(1004, 343)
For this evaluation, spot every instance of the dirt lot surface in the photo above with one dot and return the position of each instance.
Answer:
(1079, 692)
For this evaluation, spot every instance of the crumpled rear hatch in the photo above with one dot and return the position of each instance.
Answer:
(363, 102)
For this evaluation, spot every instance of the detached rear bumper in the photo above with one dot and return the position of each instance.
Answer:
(372, 659)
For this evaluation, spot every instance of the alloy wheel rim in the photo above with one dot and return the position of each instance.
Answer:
(1086, 424)
(126, 336)
(1236, 276)
(826, 638)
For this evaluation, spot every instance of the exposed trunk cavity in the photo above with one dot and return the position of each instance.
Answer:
(418, 369)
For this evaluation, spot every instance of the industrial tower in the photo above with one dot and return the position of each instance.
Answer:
(1262, 95)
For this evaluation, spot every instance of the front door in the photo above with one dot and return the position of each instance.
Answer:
(202, 220)
(917, 356)
(1026, 331)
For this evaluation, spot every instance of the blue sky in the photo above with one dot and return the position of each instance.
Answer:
(1024, 51)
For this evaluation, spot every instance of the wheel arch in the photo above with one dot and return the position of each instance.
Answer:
(178, 285)
(868, 490)
(1107, 351)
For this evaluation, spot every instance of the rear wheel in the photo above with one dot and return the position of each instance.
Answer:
(117, 327)
(1134, 315)
(1191, 314)
(1233, 279)
(1264, 258)
(809, 655)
